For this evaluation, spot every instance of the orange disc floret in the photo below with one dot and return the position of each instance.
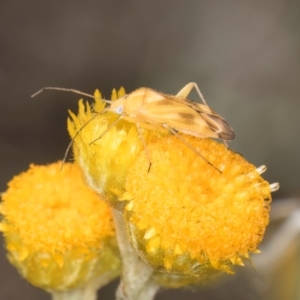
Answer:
(57, 231)
(184, 216)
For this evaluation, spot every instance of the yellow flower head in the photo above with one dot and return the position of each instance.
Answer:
(184, 217)
(104, 160)
(58, 233)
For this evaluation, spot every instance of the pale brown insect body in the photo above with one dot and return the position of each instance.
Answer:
(173, 112)
(145, 105)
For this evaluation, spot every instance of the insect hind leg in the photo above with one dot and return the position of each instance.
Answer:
(190, 146)
(185, 91)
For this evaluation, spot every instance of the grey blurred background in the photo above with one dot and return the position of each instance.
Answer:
(245, 56)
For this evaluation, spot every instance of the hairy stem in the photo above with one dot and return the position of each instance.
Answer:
(136, 283)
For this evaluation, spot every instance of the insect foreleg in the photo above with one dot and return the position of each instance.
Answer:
(184, 92)
(190, 146)
(145, 146)
(107, 129)
(80, 129)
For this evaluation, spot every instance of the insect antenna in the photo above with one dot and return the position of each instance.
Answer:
(190, 146)
(77, 133)
(106, 130)
(68, 90)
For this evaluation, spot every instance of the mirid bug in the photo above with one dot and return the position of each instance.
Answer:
(173, 112)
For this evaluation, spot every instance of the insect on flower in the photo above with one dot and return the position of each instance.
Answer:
(174, 112)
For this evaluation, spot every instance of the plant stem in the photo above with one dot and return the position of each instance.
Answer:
(89, 292)
(135, 283)
(78, 294)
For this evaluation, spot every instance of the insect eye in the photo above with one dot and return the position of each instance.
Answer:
(119, 109)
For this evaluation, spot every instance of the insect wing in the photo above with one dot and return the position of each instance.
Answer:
(213, 120)
(177, 114)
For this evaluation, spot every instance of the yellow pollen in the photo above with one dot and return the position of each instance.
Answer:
(195, 213)
(50, 220)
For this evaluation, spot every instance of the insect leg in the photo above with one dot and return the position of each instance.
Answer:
(190, 146)
(145, 146)
(107, 129)
(184, 92)
(80, 129)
